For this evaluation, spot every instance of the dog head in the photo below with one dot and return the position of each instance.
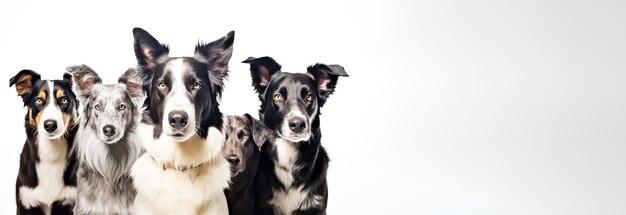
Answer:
(290, 102)
(244, 136)
(109, 110)
(52, 105)
(182, 92)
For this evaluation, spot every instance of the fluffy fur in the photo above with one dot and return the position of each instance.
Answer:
(182, 171)
(107, 143)
(292, 171)
(46, 181)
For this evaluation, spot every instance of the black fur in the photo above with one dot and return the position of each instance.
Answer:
(241, 194)
(29, 158)
(210, 66)
(312, 160)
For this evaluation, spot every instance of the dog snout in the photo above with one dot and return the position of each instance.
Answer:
(297, 124)
(50, 125)
(178, 119)
(108, 130)
(233, 159)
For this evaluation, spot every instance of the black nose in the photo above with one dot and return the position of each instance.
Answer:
(50, 125)
(108, 130)
(297, 125)
(233, 160)
(178, 119)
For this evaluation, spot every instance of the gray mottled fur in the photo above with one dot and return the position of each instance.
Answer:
(104, 185)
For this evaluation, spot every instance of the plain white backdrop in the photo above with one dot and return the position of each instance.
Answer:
(451, 107)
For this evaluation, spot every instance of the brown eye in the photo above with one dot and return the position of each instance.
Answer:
(278, 98)
(64, 101)
(98, 106)
(161, 86)
(309, 98)
(39, 101)
(122, 107)
(244, 137)
(196, 86)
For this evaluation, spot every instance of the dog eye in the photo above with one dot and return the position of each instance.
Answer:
(244, 137)
(98, 106)
(278, 98)
(122, 107)
(64, 101)
(161, 85)
(39, 101)
(309, 97)
(196, 86)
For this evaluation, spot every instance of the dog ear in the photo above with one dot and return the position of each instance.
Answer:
(326, 78)
(68, 77)
(260, 132)
(261, 70)
(148, 50)
(132, 81)
(217, 54)
(84, 78)
(24, 81)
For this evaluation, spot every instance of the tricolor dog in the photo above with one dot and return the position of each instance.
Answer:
(107, 142)
(182, 171)
(46, 181)
(292, 172)
(245, 136)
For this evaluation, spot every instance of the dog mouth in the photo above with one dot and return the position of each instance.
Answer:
(295, 137)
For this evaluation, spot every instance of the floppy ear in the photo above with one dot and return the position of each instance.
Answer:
(84, 78)
(260, 132)
(326, 78)
(24, 81)
(261, 70)
(217, 54)
(133, 82)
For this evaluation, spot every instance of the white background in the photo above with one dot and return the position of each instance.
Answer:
(451, 107)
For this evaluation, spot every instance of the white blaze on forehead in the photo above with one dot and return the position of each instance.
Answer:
(52, 112)
(178, 97)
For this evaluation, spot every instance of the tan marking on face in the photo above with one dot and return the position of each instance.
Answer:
(31, 120)
(38, 118)
(24, 85)
(66, 118)
(60, 93)
(42, 95)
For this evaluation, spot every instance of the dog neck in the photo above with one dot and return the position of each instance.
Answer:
(189, 154)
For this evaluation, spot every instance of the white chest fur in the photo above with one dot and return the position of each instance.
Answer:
(199, 190)
(50, 169)
(292, 198)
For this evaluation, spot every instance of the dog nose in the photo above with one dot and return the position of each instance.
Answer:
(297, 125)
(108, 130)
(50, 125)
(178, 119)
(233, 160)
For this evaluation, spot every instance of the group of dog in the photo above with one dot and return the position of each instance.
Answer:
(157, 143)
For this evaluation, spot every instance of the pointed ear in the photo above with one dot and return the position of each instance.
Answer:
(147, 49)
(24, 81)
(326, 78)
(261, 70)
(260, 132)
(68, 77)
(132, 81)
(84, 78)
(216, 55)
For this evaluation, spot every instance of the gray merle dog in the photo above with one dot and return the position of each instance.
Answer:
(107, 143)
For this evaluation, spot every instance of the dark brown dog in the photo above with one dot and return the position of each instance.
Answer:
(244, 138)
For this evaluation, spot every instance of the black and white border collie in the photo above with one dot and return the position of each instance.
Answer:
(292, 172)
(46, 182)
(182, 171)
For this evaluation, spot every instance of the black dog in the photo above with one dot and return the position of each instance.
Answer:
(292, 171)
(244, 138)
(46, 182)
